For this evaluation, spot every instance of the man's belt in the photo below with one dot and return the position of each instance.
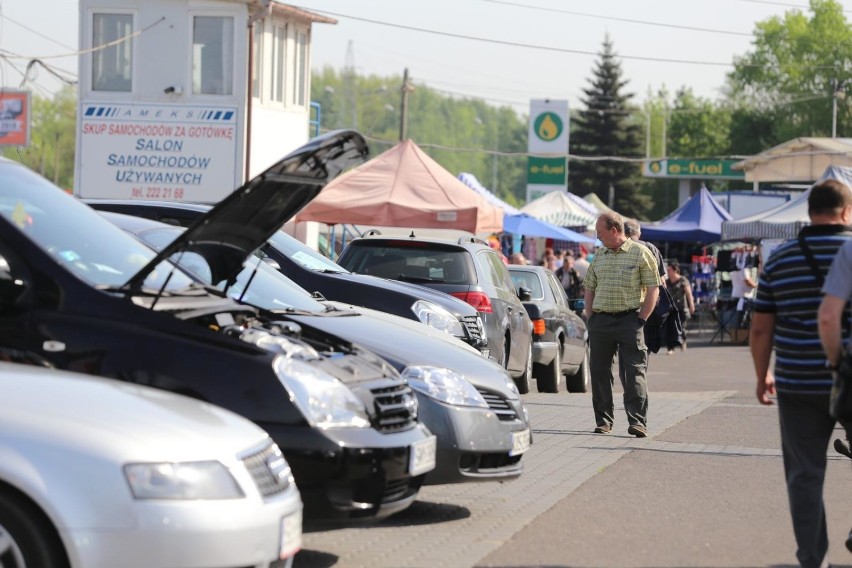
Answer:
(619, 314)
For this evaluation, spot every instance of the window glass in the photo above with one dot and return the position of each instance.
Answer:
(112, 66)
(213, 55)
(528, 280)
(300, 84)
(75, 235)
(257, 58)
(279, 63)
(558, 290)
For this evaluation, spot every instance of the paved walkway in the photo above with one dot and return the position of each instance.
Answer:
(459, 525)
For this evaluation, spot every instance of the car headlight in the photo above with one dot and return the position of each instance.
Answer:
(440, 318)
(323, 400)
(183, 480)
(443, 384)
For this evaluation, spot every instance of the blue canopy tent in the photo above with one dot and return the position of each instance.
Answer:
(698, 220)
(523, 224)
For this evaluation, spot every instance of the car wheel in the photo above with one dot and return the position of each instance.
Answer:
(549, 376)
(523, 381)
(27, 538)
(582, 379)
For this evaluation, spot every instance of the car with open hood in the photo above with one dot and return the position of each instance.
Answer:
(97, 473)
(84, 295)
(317, 273)
(468, 401)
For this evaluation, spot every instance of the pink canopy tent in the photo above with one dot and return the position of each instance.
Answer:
(403, 187)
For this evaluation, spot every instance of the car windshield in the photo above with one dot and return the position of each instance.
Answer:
(77, 237)
(303, 254)
(269, 289)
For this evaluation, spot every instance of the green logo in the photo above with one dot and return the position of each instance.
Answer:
(548, 126)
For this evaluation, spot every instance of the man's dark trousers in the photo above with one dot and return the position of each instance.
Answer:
(622, 334)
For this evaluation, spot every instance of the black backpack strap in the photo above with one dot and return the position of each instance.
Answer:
(809, 256)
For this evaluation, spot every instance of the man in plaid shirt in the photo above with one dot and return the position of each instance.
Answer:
(621, 289)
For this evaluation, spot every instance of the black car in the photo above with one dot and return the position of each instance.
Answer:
(466, 400)
(85, 296)
(316, 273)
(560, 345)
(464, 267)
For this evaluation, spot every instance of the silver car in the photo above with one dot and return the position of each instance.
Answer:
(97, 473)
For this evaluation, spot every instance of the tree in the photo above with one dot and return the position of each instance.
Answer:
(605, 128)
(792, 76)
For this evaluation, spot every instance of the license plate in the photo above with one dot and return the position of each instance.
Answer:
(291, 535)
(422, 456)
(520, 442)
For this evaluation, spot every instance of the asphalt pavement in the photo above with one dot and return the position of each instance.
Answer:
(705, 488)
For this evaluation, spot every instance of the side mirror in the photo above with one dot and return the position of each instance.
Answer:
(524, 294)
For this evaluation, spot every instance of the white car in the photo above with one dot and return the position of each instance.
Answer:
(98, 473)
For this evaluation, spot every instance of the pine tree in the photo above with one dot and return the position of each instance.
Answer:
(604, 128)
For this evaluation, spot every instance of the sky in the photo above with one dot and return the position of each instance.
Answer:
(548, 50)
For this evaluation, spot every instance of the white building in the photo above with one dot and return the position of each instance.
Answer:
(186, 99)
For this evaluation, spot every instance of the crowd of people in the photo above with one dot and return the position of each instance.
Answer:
(800, 311)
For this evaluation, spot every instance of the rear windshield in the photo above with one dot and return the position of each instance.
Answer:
(416, 262)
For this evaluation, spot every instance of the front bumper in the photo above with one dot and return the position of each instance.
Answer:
(191, 534)
(474, 444)
(544, 351)
(351, 473)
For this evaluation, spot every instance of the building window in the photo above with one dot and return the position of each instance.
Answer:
(300, 82)
(257, 58)
(112, 66)
(279, 63)
(213, 55)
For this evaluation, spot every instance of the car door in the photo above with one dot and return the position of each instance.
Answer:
(514, 313)
(572, 324)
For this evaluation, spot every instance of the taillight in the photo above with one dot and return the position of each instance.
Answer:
(538, 327)
(478, 300)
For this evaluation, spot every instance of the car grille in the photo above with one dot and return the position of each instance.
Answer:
(270, 472)
(395, 489)
(499, 405)
(396, 408)
(474, 332)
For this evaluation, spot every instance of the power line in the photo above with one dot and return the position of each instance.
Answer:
(617, 19)
(550, 48)
(36, 32)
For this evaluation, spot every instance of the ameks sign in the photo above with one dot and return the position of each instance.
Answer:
(172, 152)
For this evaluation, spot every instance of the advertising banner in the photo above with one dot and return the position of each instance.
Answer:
(150, 151)
(14, 118)
(692, 169)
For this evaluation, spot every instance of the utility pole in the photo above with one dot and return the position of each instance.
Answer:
(407, 87)
(838, 94)
(349, 83)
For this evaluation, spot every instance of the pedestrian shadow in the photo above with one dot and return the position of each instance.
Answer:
(314, 559)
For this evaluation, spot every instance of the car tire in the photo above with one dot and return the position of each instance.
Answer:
(582, 379)
(26, 535)
(549, 377)
(523, 380)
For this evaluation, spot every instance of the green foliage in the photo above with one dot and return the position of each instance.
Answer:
(463, 135)
(605, 128)
(52, 138)
(786, 85)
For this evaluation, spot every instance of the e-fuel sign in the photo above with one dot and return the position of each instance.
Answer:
(695, 169)
(546, 171)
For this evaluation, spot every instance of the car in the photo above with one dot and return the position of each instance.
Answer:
(97, 473)
(317, 273)
(85, 296)
(468, 401)
(560, 339)
(462, 266)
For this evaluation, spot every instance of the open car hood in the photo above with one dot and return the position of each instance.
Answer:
(248, 217)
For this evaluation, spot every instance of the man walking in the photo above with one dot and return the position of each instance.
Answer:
(621, 288)
(834, 323)
(788, 298)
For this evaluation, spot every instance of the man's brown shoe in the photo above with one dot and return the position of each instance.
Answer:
(603, 429)
(637, 430)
